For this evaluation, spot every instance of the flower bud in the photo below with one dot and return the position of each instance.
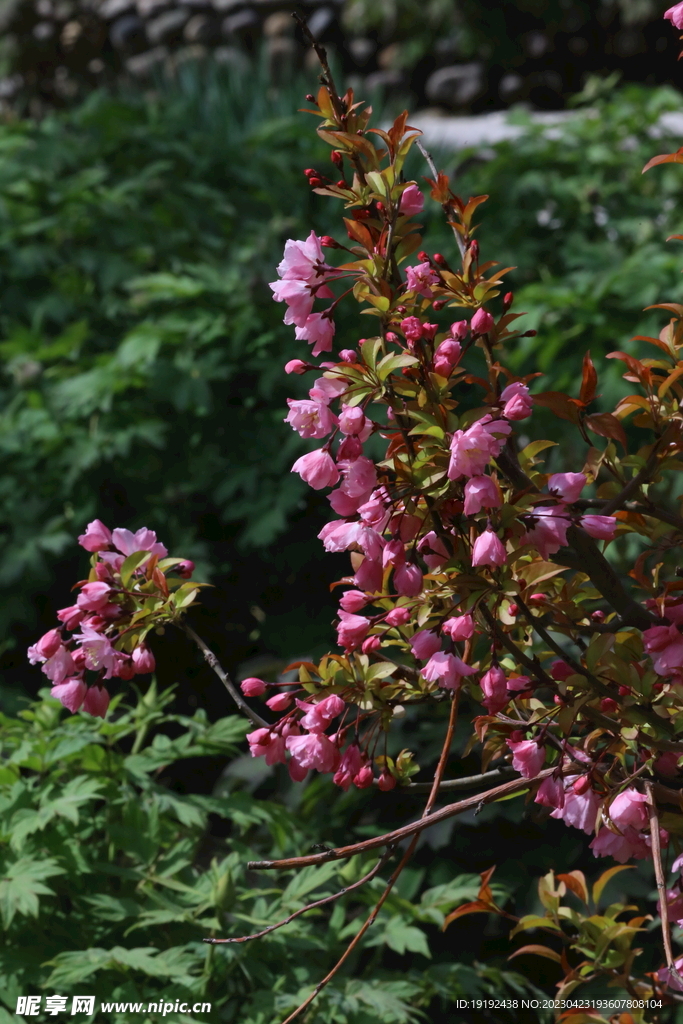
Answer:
(364, 777)
(252, 687)
(351, 420)
(386, 781)
(315, 182)
(143, 660)
(474, 249)
(353, 600)
(96, 701)
(337, 158)
(348, 355)
(581, 785)
(329, 243)
(598, 615)
(280, 702)
(513, 609)
(397, 617)
(508, 300)
(350, 449)
(608, 704)
(482, 322)
(125, 669)
(373, 643)
(185, 569)
(441, 260)
(439, 305)
(624, 691)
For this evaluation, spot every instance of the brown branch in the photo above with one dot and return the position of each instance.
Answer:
(311, 906)
(661, 881)
(212, 660)
(634, 483)
(344, 852)
(327, 77)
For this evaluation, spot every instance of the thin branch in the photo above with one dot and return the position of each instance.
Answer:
(661, 881)
(311, 906)
(641, 477)
(445, 206)
(212, 660)
(468, 782)
(327, 76)
(358, 936)
(389, 838)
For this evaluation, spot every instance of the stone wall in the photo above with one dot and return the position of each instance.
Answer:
(476, 57)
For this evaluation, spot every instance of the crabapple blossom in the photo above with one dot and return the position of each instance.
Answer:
(310, 419)
(518, 402)
(317, 469)
(318, 716)
(424, 644)
(412, 201)
(488, 550)
(408, 580)
(675, 15)
(422, 279)
(397, 617)
(473, 449)
(446, 669)
(353, 600)
(253, 687)
(460, 627)
(482, 322)
(494, 687)
(71, 693)
(352, 630)
(314, 750)
(528, 757)
(481, 492)
(96, 537)
(96, 701)
(567, 486)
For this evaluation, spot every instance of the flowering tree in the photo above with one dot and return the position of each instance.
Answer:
(476, 577)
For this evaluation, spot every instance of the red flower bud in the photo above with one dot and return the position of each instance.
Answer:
(441, 260)
(386, 781)
(310, 97)
(513, 609)
(360, 214)
(315, 182)
(474, 249)
(341, 183)
(508, 300)
(582, 785)
(624, 691)
(608, 704)
(598, 615)
(529, 334)
(337, 158)
(329, 243)
(422, 256)
(439, 304)
(380, 207)
(310, 171)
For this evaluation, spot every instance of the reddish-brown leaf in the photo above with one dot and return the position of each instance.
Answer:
(589, 380)
(607, 425)
(665, 158)
(562, 405)
(545, 951)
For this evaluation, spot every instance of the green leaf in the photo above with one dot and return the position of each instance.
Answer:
(22, 883)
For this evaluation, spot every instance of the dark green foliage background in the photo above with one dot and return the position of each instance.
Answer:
(142, 383)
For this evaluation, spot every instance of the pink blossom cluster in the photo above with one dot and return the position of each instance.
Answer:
(78, 666)
(303, 275)
(300, 740)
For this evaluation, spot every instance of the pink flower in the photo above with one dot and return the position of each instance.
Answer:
(412, 201)
(397, 617)
(96, 701)
(317, 469)
(621, 847)
(253, 687)
(460, 627)
(421, 280)
(481, 492)
(424, 644)
(143, 540)
(303, 260)
(71, 693)
(675, 16)
(123, 668)
(297, 366)
(664, 975)
(519, 684)
(93, 596)
(599, 527)
(96, 536)
(99, 652)
(317, 329)
(143, 660)
(351, 419)
(394, 553)
(482, 322)
(353, 601)
(71, 616)
(628, 808)
(412, 328)
(446, 669)
(459, 330)
(360, 476)
(664, 644)
(279, 702)
(46, 647)
(518, 402)
(369, 576)
(567, 486)
(488, 550)
(446, 357)
(548, 529)
(59, 666)
(310, 419)
(434, 551)
(318, 716)
(580, 809)
(340, 536)
(528, 757)
(348, 355)
(473, 449)
(551, 793)
(349, 766)
(560, 671)
(326, 389)
(314, 751)
(408, 580)
(352, 630)
(494, 687)
(264, 743)
(299, 299)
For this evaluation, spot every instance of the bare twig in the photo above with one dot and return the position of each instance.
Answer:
(446, 206)
(449, 811)
(327, 77)
(661, 881)
(468, 782)
(312, 906)
(212, 660)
